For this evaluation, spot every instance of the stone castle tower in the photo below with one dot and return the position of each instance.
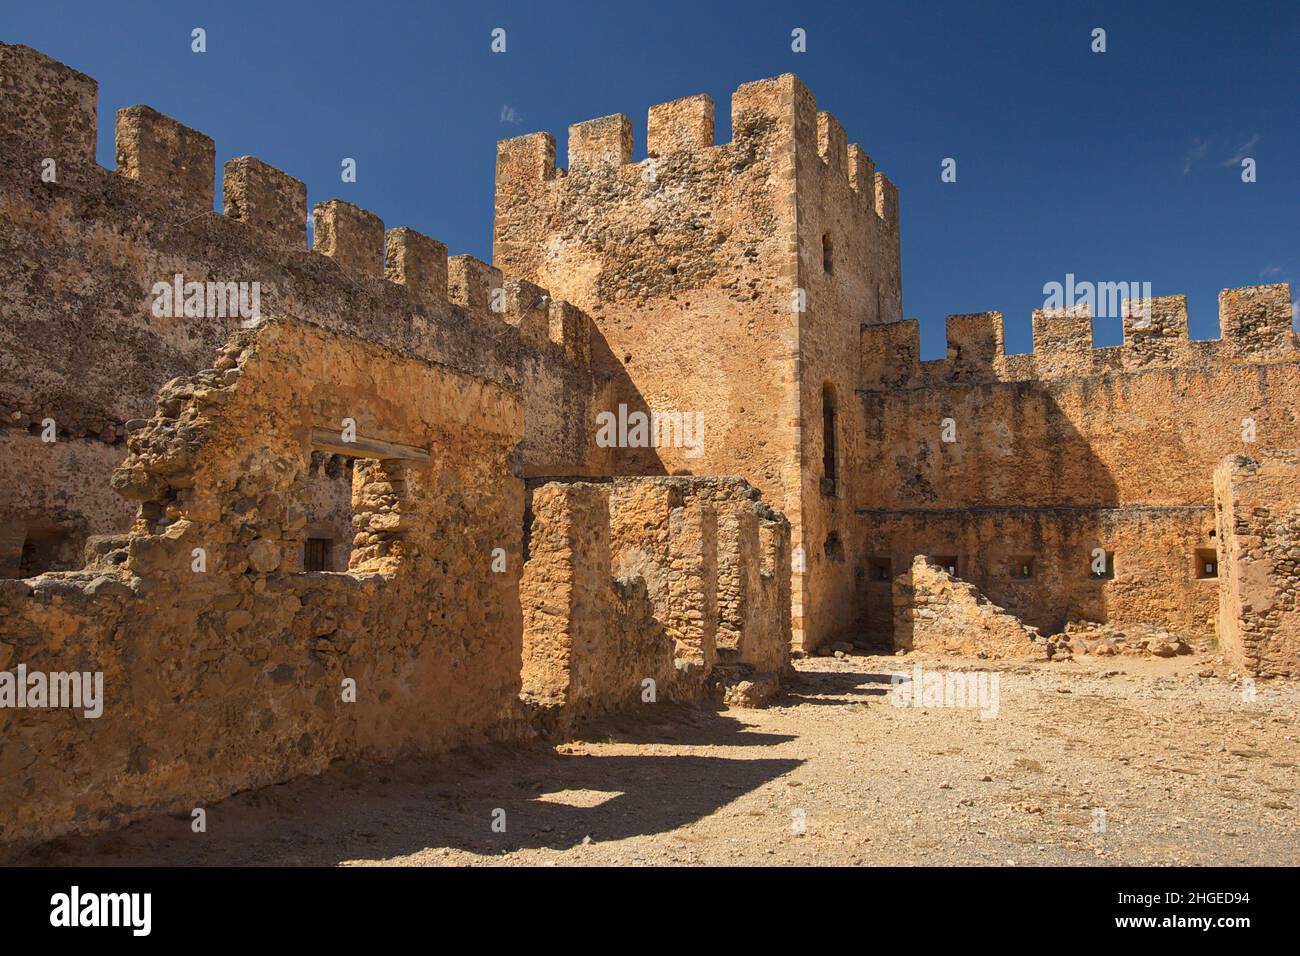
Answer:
(728, 279)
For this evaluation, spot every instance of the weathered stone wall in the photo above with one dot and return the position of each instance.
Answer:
(80, 256)
(1066, 450)
(937, 612)
(850, 269)
(223, 663)
(622, 584)
(1153, 574)
(1258, 503)
(590, 633)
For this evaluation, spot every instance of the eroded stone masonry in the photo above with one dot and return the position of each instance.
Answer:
(358, 500)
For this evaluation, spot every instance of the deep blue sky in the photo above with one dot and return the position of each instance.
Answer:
(1116, 167)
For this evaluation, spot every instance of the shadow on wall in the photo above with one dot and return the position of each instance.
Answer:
(1018, 505)
(621, 390)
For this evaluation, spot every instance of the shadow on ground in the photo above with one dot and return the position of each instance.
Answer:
(547, 798)
(838, 687)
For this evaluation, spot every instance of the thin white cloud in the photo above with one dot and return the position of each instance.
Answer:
(1195, 154)
(1242, 151)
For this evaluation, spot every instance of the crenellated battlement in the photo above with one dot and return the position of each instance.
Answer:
(1254, 321)
(778, 112)
(50, 110)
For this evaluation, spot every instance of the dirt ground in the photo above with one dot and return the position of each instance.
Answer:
(1187, 770)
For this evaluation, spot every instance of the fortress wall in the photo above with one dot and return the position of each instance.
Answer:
(1255, 324)
(1111, 439)
(83, 347)
(1149, 437)
(1153, 554)
(1257, 499)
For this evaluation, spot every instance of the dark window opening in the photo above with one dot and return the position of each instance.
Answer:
(834, 547)
(828, 254)
(880, 570)
(1107, 572)
(46, 549)
(316, 554)
(1022, 567)
(828, 442)
(946, 561)
(1207, 563)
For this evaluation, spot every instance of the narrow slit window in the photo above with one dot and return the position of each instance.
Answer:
(828, 485)
(1101, 566)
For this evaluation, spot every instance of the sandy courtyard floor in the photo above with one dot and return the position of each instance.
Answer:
(1098, 761)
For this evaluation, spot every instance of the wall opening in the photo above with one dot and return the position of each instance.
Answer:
(880, 570)
(828, 254)
(379, 504)
(834, 547)
(1105, 573)
(1022, 567)
(318, 554)
(946, 561)
(829, 471)
(48, 548)
(1207, 563)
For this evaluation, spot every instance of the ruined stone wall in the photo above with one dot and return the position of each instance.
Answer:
(1152, 576)
(224, 663)
(80, 256)
(590, 633)
(1066, 450)
(716, 558)
(625, 581)
(939, 613)
(702, 266)
(1258, 503)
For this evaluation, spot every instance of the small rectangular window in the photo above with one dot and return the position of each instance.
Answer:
(316, 556)
(946, 561)
(1101, 565)
(1022, 566)
(880, 570)
(1207, 563)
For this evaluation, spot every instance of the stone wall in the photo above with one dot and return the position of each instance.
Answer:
(82, 258)
(226, 665)
(223, 662)
(627, 581)
(591, 638)
(939, 613)
(1067, 451)
(1258, 503)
